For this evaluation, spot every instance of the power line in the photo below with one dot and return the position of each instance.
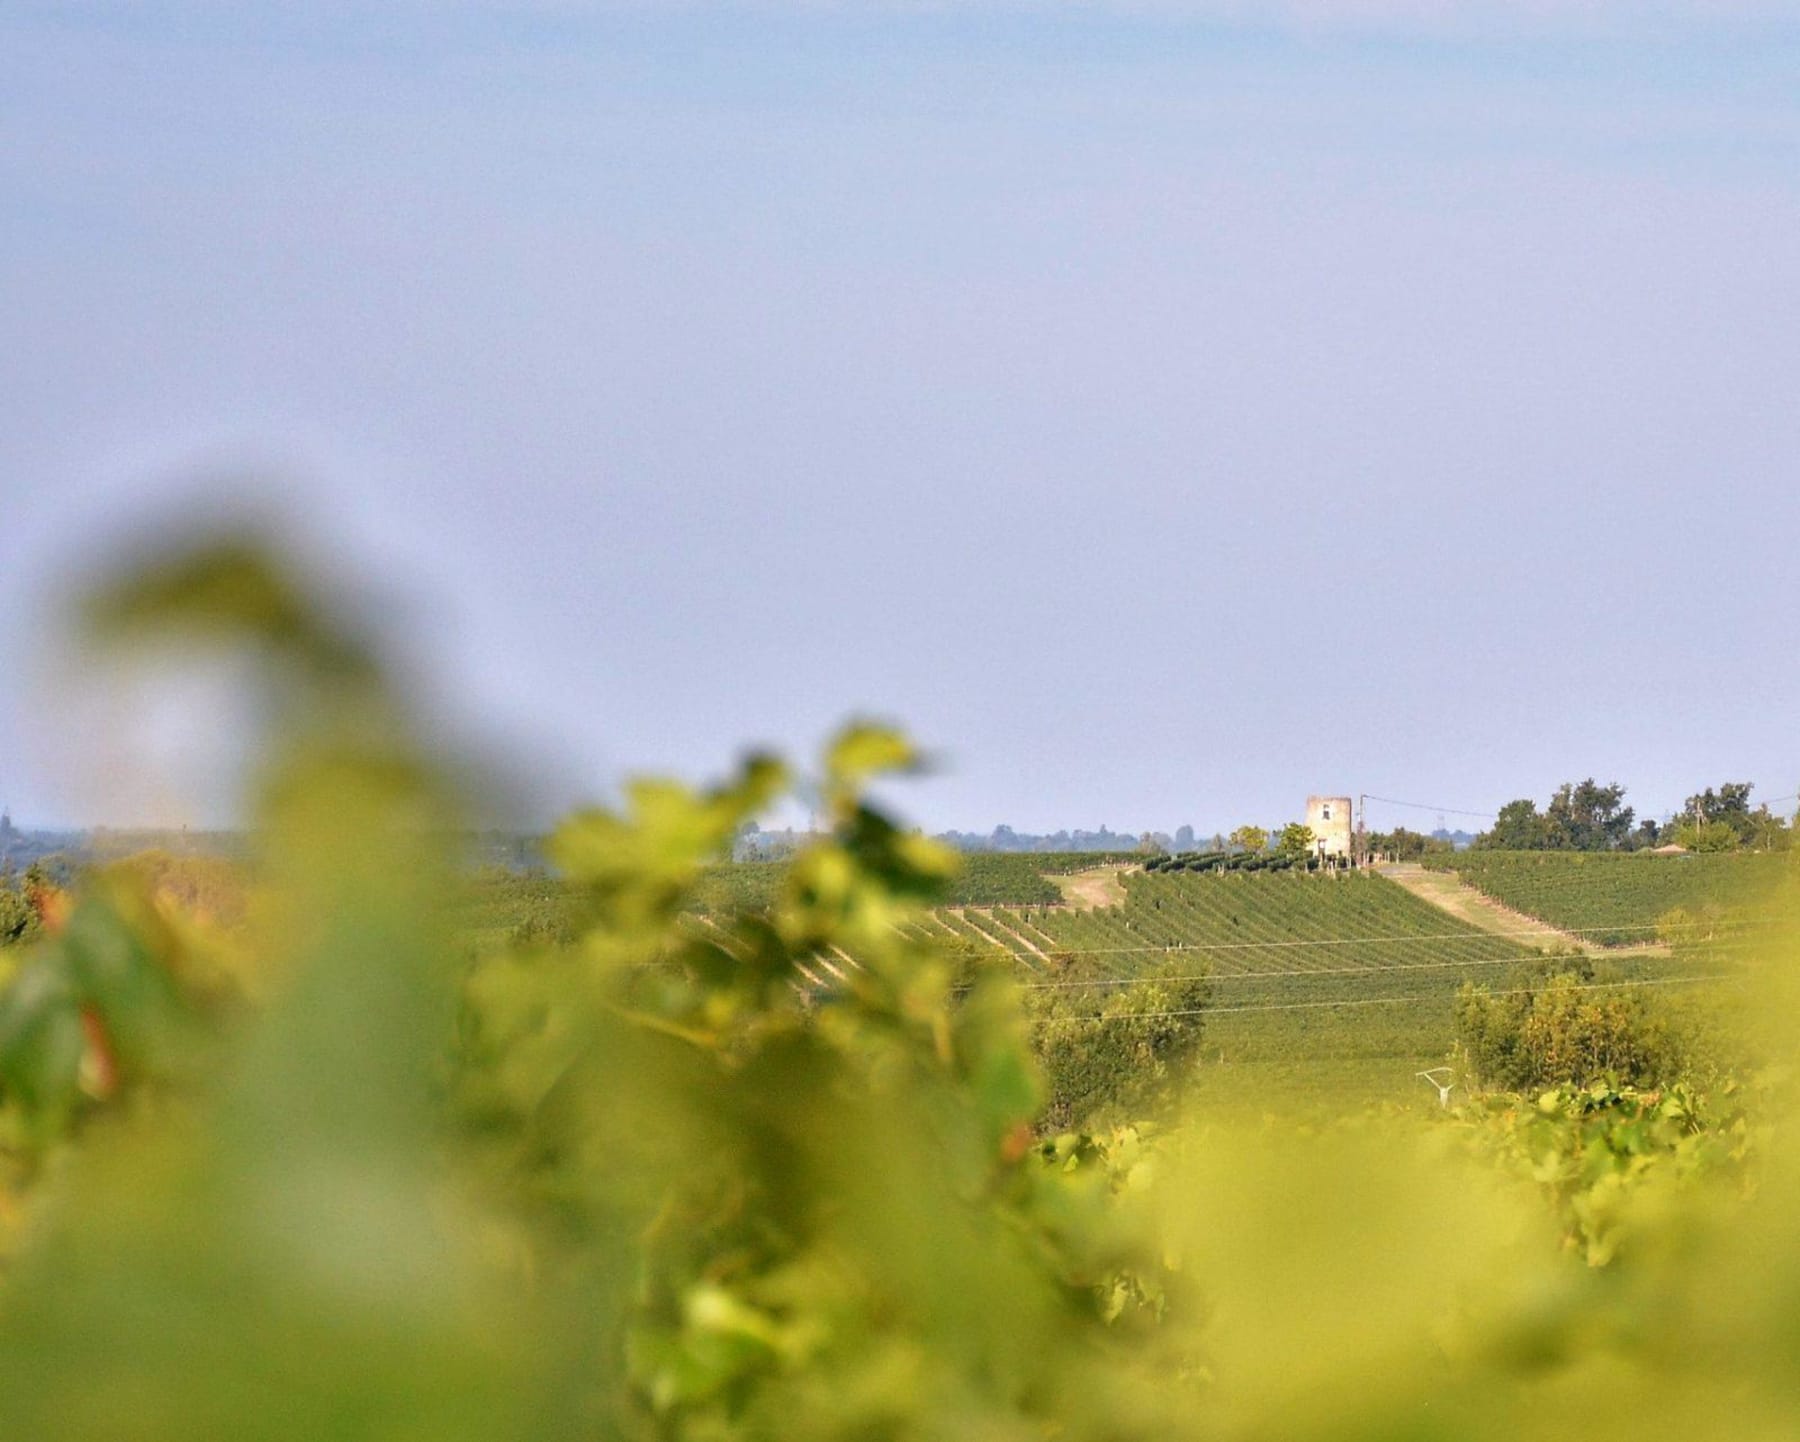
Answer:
(1421, 806)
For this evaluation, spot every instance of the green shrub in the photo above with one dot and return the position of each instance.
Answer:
(1554, 1023)
(1110, 1052)
(18, 918)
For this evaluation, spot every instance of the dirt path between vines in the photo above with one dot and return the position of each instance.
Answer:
(1085, 890)
(1449, 894)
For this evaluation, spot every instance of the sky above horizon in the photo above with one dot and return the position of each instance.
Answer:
(1165, 410)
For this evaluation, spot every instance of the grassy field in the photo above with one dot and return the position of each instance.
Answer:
(1622, 898)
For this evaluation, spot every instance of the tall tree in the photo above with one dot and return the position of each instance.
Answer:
(1729, 804)
(1589, 816)
(1250, 838)
(1518, 827)
(1581, 816)
(1405, 845)
(1296, 841)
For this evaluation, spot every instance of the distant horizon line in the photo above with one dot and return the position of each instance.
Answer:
(108, 828)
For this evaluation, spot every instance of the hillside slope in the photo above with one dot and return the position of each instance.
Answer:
(1621, 899)
(1343, 983)
(1341, 987)
(1456, 898)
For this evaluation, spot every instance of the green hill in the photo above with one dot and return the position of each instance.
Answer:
(1341, 987)
(1335, 984)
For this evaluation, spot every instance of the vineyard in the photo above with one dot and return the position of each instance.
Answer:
(1324, 985)
(1011, 878)
(1622, 898)
(1320, 985)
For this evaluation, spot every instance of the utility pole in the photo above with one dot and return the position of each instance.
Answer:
(1362, 833)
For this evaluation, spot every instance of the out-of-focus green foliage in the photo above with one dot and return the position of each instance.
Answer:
(798, 1214)
(115, 1003)
(281, 1255)
(648, 1179)
(1615, 1159)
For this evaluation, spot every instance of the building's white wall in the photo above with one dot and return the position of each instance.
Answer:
(1329, 819)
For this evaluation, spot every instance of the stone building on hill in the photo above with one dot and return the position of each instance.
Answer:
(1328, 817)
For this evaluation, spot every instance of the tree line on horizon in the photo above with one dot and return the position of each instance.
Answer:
(1579, 816)
(1586, 816)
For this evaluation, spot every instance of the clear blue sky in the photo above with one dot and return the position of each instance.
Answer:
(1166, 410)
